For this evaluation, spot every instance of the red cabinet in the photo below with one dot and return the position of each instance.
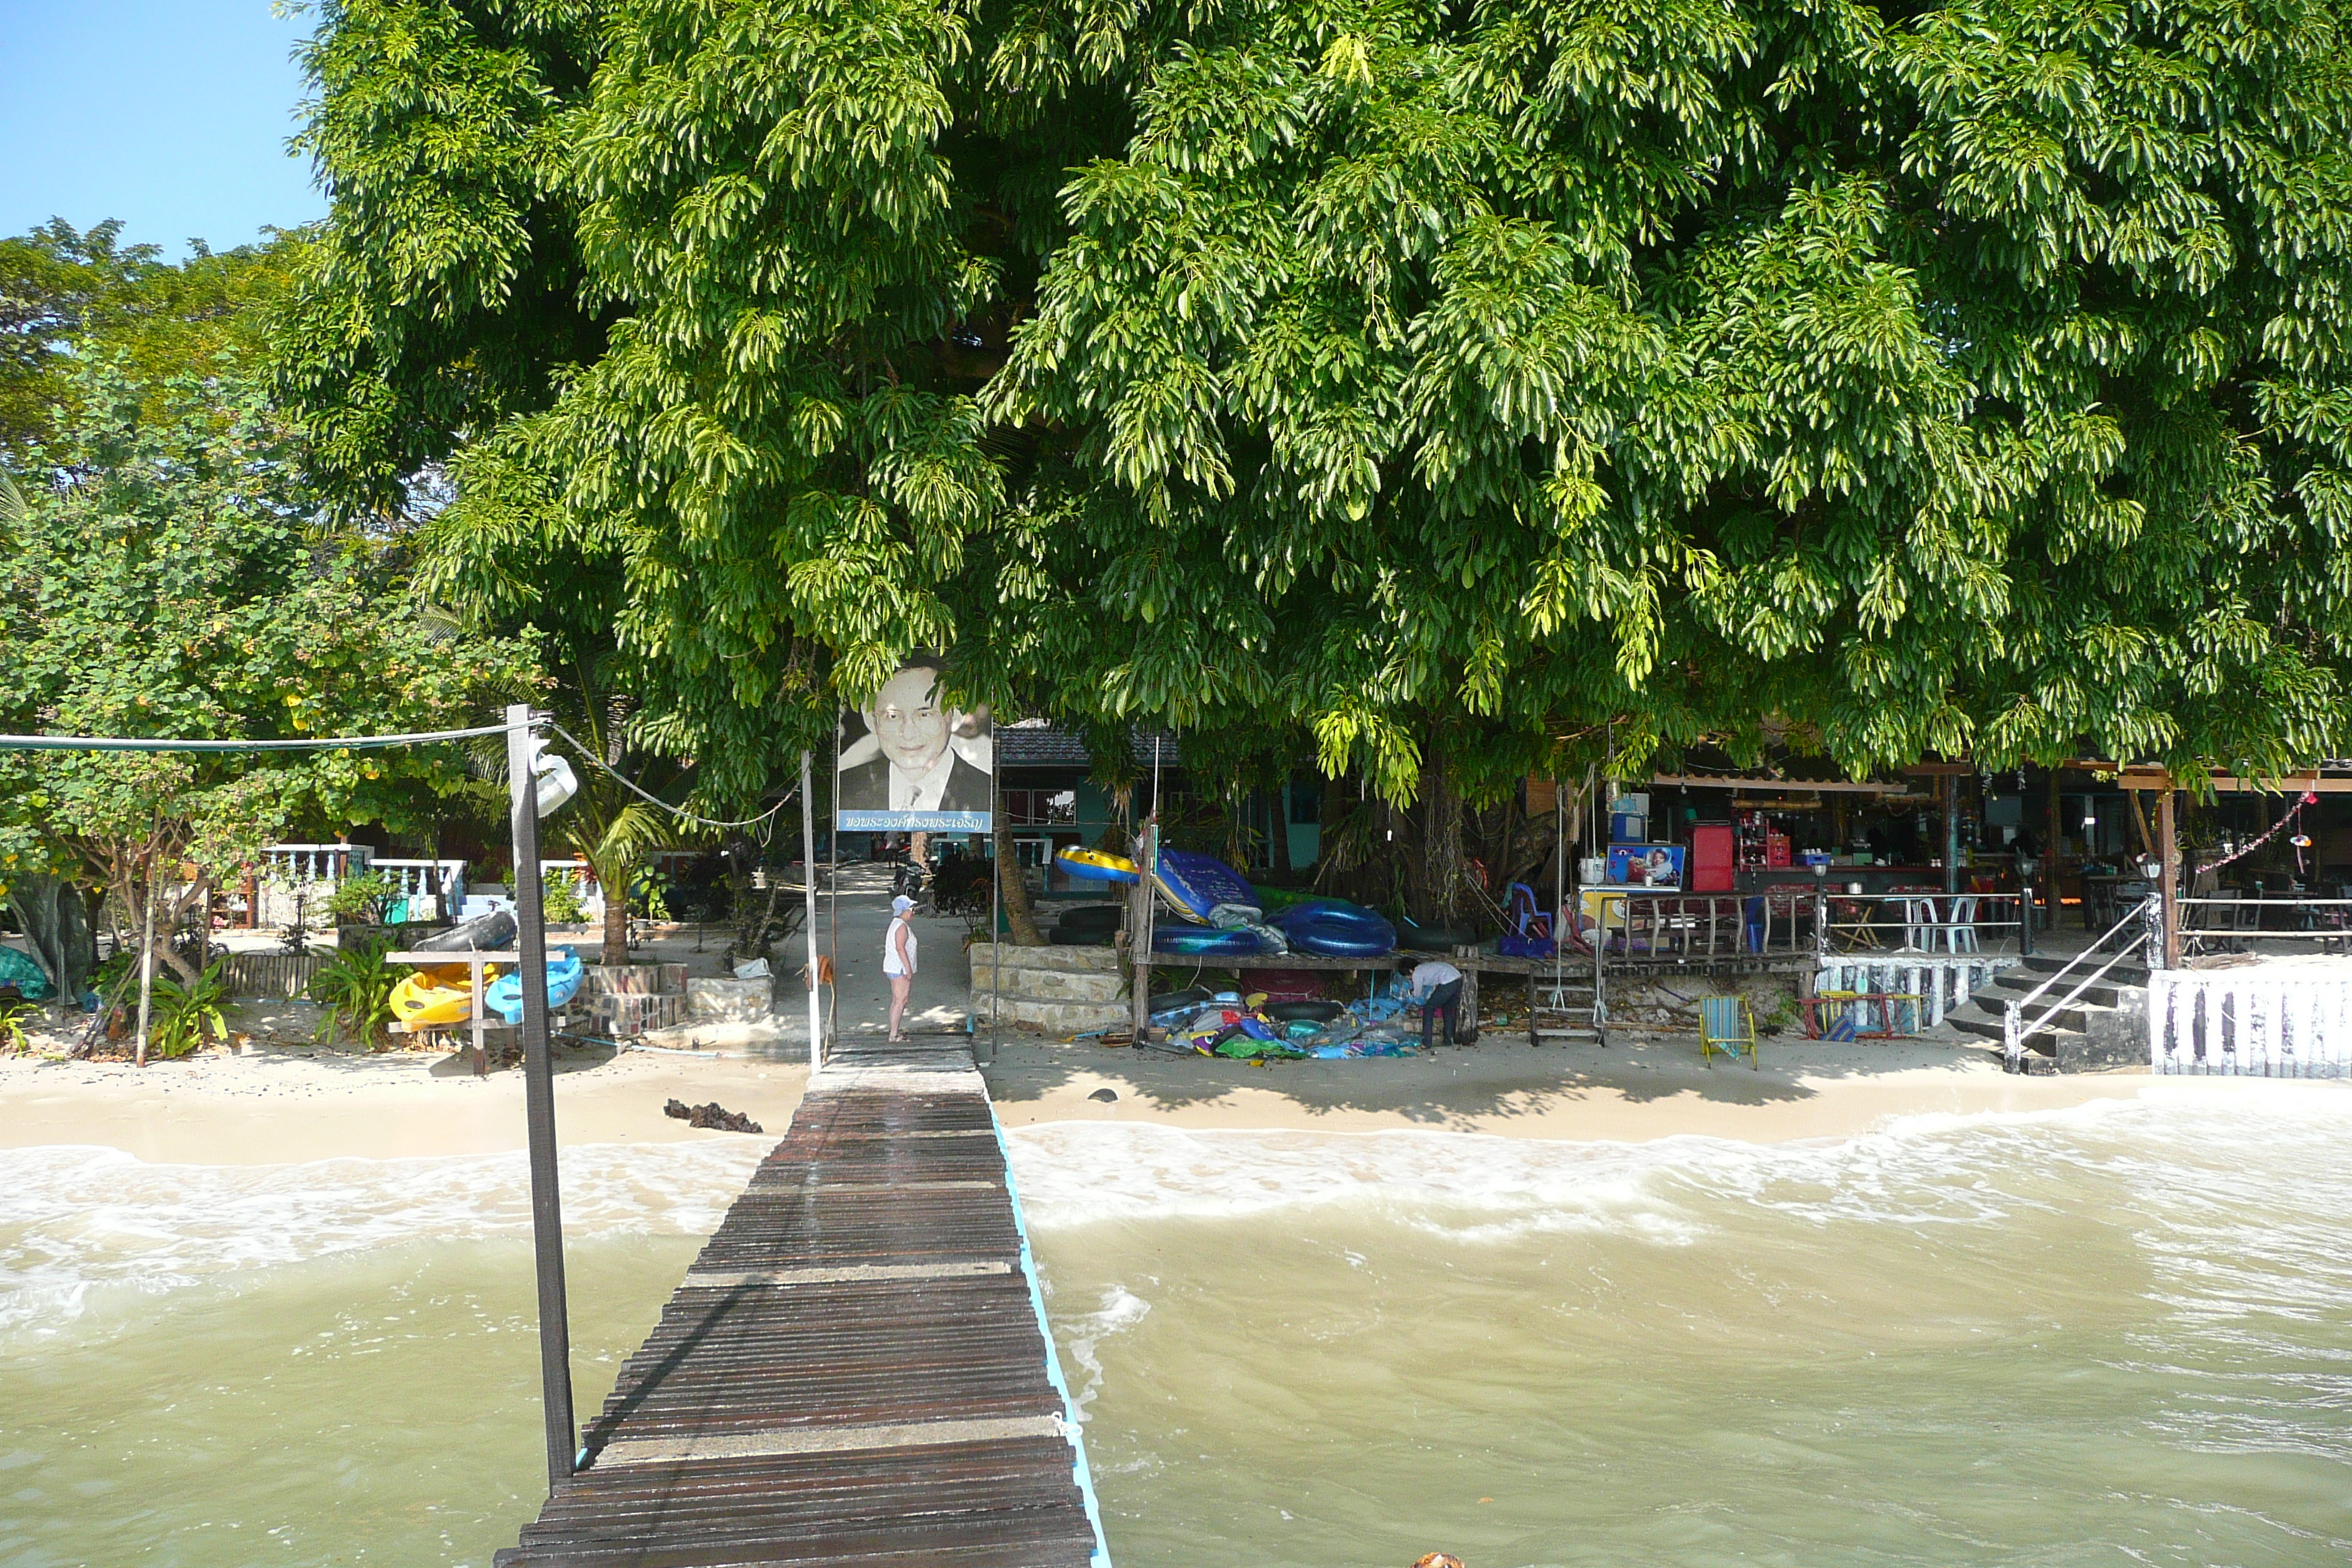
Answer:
(1711, 855)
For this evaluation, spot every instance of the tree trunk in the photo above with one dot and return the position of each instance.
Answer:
(169, 919)
(1434, 866)
(616, 923)
(56, 919)
(1015, 889)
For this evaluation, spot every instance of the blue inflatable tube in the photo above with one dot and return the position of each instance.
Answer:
(1342, 939)
(1207, 940)
(1331, 914)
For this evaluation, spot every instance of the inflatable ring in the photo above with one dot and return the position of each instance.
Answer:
(1334, 912)
(1191, 996)
(1309, 1011)
(1205, 940)
(1094, 866)
(1091, 917)
(1435, 939)
(1342, 938)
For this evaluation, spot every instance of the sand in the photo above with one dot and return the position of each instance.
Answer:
(272, 1103)
(275, 1101)
(1639, 1088)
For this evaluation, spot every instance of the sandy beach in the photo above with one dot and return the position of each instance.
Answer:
(272, 1103)
(279, 1099)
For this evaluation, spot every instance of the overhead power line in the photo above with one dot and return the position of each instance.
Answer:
(323, 743)
(678, 811)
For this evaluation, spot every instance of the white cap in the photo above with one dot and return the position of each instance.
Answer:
(901, 904)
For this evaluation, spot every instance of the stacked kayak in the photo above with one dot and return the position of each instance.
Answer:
(563, 977)
(438, 997)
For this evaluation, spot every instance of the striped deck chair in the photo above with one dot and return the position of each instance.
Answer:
(1726, 1025)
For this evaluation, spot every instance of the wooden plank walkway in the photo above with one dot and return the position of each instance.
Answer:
(855, 1371)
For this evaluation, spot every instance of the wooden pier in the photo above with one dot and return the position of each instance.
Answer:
(856, 1371)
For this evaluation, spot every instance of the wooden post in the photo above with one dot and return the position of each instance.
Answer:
(2051, 845)
(1951, 834)
(146, 961)
(2168, 839)
(808, 906)
(1465, 1030)
(538, 1101)
(1139, 924)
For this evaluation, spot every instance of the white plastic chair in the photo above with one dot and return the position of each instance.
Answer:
(1920, 931)
(1961, 937)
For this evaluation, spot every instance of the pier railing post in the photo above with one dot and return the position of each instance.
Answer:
(538, 1100)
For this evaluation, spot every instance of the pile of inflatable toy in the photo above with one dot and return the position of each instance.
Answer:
(1224, 916)
(1257, 1028)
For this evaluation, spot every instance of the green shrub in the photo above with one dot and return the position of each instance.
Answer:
(363, 897)
(560, 901)
(181, 1016)
(354, 991)
(13, 1011)
(649, 894)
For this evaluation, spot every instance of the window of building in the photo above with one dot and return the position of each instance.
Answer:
(1040, 807)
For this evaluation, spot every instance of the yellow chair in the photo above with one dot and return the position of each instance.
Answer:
(1726, 1025)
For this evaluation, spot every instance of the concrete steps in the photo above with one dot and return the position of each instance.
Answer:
(1062, 990)
(2104, 1027)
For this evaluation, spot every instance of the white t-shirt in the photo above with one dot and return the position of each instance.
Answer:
(890, 947)
(1428, 977)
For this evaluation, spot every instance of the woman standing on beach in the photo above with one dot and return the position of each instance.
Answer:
(899, 961)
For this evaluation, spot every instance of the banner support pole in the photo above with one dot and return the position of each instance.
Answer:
(808, 893)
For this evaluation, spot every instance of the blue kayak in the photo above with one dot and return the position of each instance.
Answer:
(563, 977)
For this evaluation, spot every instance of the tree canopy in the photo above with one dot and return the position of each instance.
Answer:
(59, 288)
(162, 575)
(1488, 381)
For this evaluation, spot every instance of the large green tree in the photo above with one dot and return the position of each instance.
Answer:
(61, 287)
(1469, 387)
(164, 574)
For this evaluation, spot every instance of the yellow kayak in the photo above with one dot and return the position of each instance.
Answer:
(441, 996)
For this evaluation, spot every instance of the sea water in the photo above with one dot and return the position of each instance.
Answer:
(2117, 1334)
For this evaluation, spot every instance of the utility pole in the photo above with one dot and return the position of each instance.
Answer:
(538, 1100)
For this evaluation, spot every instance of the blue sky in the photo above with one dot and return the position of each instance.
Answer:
(171, 115)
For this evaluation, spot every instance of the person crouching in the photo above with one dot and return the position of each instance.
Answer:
(1437, 986)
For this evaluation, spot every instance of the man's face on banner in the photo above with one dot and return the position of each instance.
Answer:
(908, 721)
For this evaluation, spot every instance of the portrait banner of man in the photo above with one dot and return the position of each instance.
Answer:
(910, 764)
